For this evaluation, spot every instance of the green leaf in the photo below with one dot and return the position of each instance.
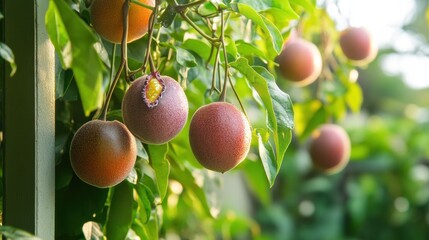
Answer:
(354, 97)
(74, 41)
(308, 5)
(263, 5)
(120, 212)
(7, 54)
(187, 179)
(145, 200)
(168, 16)
(231, 49)
(279, 110)
(268, 158)
(272, 35)
(13, 233)
(319, 117)
(161, 166)
(150, 229)
(207, 9)
(185, 58)
(246, 49)
(200, 47)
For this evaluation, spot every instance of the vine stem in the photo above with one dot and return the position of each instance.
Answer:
(125, 10)
(181, 9)
(142, 4)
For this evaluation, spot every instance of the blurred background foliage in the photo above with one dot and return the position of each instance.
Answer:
(383, 193)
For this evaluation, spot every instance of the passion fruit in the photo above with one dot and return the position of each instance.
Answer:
(330, 148)
(155, 111)
(102, 153)
(219, 136)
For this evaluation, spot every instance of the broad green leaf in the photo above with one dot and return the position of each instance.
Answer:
(263, 5)
(7, 54)
(185, 58)
(161, 166)
(319, 117)
(200, 47)
(77, 204)
(146, 199)
(256, 180)
(268, 158)
(246, 49)
(185, 177)
(279, 110)
(354, 97)
(168, 16)
(14, 233)
(120, 212)
(207, 9)
(231, 49)
(272, 35)
(74, 41)
(150, 229)
(309, 5)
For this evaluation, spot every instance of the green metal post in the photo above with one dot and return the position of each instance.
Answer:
(29, 120)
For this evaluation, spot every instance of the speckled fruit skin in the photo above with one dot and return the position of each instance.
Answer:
(220, 136)
(160, 124)
(358, 45)
(102, 153)
(300, 61)
(330, 148)
(106, 18)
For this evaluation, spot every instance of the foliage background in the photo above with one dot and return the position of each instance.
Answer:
(382, 194)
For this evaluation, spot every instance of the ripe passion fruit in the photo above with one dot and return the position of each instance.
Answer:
(219, 136)
(155, 109)
(102, 153)
(107, 20)
(330, 148)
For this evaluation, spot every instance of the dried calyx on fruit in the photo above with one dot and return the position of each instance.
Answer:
(153, 88)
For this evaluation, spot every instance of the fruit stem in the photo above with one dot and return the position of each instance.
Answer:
(215, 67)
(125, 11)
(238, 97)
(222, 39)
(152, 21)
(148, 56)
(142, 4)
